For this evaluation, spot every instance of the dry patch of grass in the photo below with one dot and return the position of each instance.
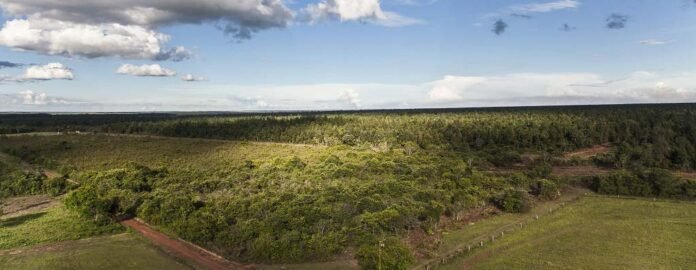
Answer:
(587, 153)
(121, 251)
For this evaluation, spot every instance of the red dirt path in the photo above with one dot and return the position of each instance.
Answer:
(182, 249)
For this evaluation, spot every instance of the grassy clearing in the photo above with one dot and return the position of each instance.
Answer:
(48, 226)
(96, 152)
(597, 233)
(122, 251)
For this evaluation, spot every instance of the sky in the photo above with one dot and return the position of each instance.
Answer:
(273, 55)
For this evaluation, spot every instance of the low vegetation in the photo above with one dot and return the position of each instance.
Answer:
(49, 226)
(596, 233)
(292, 188)
(122, 251)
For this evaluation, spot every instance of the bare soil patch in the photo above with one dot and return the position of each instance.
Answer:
(587, 153)
(18, 206)
(183, 249)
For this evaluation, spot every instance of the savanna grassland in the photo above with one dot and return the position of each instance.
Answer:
(294, 188)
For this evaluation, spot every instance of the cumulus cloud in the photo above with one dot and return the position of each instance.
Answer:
(30, 97)
(369, 11)
(128, 28)
(240, 18)
(499, 27)
(48, 36)
(616, 21)
(352, 97)
(52, 71)
(191, 78)
(145, 70)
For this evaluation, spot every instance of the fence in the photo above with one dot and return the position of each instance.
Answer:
(483, 240)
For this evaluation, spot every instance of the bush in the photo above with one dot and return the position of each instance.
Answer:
(112, 193)
(546, 190)
(56, 186)
(645, 183)
(540, 170)
(394, 255)
(505, 158)
(514, 201)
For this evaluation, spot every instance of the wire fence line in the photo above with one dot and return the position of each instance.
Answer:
(483, 240)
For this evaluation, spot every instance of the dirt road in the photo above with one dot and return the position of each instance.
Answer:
(182, 249)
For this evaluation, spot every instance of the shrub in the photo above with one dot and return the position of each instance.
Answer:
(546, 190)
(56, 186)
(644, 183)
(514, 201)
(392, 254)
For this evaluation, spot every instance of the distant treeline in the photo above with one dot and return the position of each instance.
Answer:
(661, 136)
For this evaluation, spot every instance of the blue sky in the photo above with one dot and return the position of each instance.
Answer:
(343, 54)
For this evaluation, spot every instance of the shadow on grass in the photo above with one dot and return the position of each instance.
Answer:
(16, 221)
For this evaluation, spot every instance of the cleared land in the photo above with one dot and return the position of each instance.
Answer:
(122, 251)
(37, 232)
(596, 233)
(47, 225)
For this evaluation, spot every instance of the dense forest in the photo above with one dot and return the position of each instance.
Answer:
(343, 181)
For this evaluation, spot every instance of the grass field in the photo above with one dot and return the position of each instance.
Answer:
(90, 152)
(122, 251)
(596, 233)
(48, 226)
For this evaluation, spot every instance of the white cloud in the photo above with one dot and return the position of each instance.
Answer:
(561, 88)
(54, 37)
(145, 70)
(544, 7)
(526, 10)
(30, 97)
(369, 11)
(191, 78)
(352, 97)
(256, 103)
(654, 42)
(515, 89)
(451, 88)
(52, 71)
